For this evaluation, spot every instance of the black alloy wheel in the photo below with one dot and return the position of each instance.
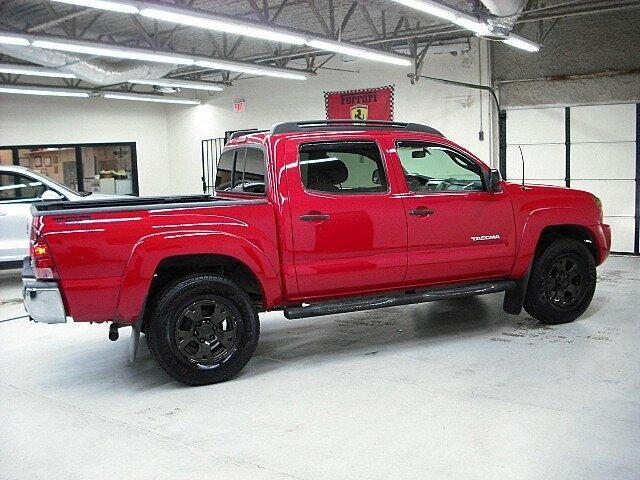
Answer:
(204, 329)
(564, 283)
(207, 332)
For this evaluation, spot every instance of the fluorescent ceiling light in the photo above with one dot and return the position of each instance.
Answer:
(522, 43)
(432, 8)
(150, 98)
(13, 39)
(35, 71)
(103, 5)
(167, 82)
(250, 69)
(470, 23)
(220, 24)
(447, 13)
(115, 52)
(97, 49)
(354, 51)
(465, 21)
(238, 27)
(56, 92)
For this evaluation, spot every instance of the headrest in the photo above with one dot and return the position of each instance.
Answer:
(331, 171)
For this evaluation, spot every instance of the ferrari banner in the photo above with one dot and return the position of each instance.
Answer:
(369, 104)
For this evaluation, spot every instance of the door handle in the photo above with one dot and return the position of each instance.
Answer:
(422, 211)
(314, 217)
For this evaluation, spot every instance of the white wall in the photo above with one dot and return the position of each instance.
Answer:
(602, 157)
(27, 120)
(455, 111)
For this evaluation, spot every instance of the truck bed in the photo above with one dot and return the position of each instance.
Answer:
(102, 248)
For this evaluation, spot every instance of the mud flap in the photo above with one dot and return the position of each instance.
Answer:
(514, 298)
(134, 341)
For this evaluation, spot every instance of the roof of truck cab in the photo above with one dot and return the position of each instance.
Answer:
(289, 129)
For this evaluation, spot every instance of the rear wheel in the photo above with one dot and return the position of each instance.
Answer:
(562, 282)
(204, 329)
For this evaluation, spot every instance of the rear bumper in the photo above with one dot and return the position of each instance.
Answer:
(42, 300)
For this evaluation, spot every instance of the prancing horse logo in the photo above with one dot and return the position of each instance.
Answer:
(359, 112)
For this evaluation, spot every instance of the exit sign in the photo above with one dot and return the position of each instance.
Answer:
(238, 106)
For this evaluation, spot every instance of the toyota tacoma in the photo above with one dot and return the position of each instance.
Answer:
(313, 218)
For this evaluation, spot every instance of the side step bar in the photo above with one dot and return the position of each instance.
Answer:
(394, 300)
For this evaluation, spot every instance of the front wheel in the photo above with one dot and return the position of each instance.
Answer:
(204, 329)
(562, 282)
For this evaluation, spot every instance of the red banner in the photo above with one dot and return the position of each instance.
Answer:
(368, 104)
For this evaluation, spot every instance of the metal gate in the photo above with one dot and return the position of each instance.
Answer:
(211, 150)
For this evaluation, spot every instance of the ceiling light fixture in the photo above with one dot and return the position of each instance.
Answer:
(355, 51)
(220, 24)
(113, 51)
(167, 82)
(34, 71)
(522, 43)
(150, 98)
(102, 5)
(49, 91)
(463, 20)
(250, 69)
(9, 39)
(147, 55)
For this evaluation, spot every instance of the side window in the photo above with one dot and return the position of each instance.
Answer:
(226, 164)
(254, 172)
(241, 170)
(342, 167)
(15, 188)
(436, 168)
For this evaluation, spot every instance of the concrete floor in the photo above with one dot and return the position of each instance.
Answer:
(448, 390)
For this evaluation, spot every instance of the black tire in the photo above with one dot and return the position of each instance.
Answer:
(562, 282)
(180, 314)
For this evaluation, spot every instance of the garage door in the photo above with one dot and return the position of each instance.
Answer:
(592, 148)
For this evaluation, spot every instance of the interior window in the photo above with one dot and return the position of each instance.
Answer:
(342, 167)
(241, 170)
(436, 168)
(14, 187)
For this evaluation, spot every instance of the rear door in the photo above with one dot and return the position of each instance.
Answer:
(457, 230)
(349, 231)
(17, 193)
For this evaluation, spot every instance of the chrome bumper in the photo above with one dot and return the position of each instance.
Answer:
(42, 300)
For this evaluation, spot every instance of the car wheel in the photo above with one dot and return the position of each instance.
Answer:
(562, 282)
(204, 329)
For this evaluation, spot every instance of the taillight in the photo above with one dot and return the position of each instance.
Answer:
(41, 260)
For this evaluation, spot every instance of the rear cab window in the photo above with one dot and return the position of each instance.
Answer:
(342, 167)
(242, 170)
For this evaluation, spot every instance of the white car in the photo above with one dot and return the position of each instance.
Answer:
(19, 189)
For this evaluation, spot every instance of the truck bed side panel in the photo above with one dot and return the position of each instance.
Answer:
(97, 253)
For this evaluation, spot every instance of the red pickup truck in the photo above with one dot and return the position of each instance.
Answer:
(315, 218)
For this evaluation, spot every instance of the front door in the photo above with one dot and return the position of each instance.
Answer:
(349, 231)
(457, 230)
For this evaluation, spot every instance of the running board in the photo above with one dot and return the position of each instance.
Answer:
(397, 299)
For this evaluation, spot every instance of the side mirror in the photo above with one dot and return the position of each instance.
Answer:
(50, 196)
(495, 180)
